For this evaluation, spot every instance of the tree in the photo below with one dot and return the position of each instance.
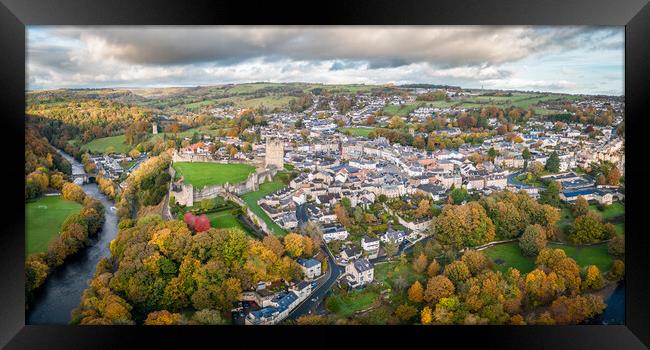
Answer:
(457, 271)
(580, 207)
(391, 248)
(617, 272)
(459, 195)
(535, 168)
(576, 309)
(476, 261)
(551, 195)
(593, 278)
(587, 228)
(73, 192)
(420, 263)
(424, 208)
(492, 153)
(533, 240)
(208, 317)
(162, 318)
(553, 163)
(426, 316)
(609, 230)
(405, 312)
(202, 223)
(433, 268)
(342, 215)
(272, 242)
(324, 266)
(463, 226)
(416, 292)
(294, 244)
(616, 247)
(438, 287)
(189, 220)
(395, 122)
(613, 176)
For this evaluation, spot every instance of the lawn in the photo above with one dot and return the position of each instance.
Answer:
(402, 111)
(43, 219)
(204, 174)
(346, 304)
(591, 255)
(100, 145)
(225, 219)
(511, 256)
(251, 199)
(612, 211)
(365, 132)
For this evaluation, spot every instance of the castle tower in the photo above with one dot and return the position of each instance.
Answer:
(274, 154)
(154, 127)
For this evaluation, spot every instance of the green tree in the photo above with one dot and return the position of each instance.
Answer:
(551, 195)
(533, 240)
(553, 163)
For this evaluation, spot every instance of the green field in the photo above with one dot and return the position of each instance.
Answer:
(43, 219)
(365, 132)
(100, 145)
(611, 212)
(225, 219)
(251, 199)
(346, 304)
(205, 174)
(511, 255)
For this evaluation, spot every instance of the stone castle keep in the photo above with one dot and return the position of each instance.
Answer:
(274, 154)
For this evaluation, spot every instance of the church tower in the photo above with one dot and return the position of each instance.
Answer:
(274, 154)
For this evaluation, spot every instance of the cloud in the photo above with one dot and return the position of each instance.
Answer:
(467, 55)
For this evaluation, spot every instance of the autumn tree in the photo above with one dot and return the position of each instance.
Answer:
(593, 278)
(73, 192)
(617, 272)
(294, 244)
(273, 243)
(426, 315)
(405, 312)
(616, 247)
(476, 261)
(162, 318)
(438, 287)
(423, 209)
(433, 268)
(420, 263)
(416, 292)
(464, 226)
(580, 207)
(587, 228)
(576, 309)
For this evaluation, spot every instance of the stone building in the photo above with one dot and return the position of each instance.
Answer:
(274, 154)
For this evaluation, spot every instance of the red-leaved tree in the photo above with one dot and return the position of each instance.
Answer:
(189, 219)
(201, 223)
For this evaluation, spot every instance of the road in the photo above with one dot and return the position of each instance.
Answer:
(321, 290)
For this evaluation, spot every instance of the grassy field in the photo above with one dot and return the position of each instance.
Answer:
(100, 145)
(402, 111)
(204, 174)
(611, 212)
(225, 219)
(510, 254)
(43, 219)
(365, 132)
(251, 199)
(346, 304)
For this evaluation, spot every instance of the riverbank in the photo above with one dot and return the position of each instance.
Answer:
(62, 290)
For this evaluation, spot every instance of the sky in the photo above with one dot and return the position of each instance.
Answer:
(580, 60)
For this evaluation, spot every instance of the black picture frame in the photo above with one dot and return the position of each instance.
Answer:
(633, 14)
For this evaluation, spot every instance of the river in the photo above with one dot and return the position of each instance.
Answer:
(615, 311)
(62, 290)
